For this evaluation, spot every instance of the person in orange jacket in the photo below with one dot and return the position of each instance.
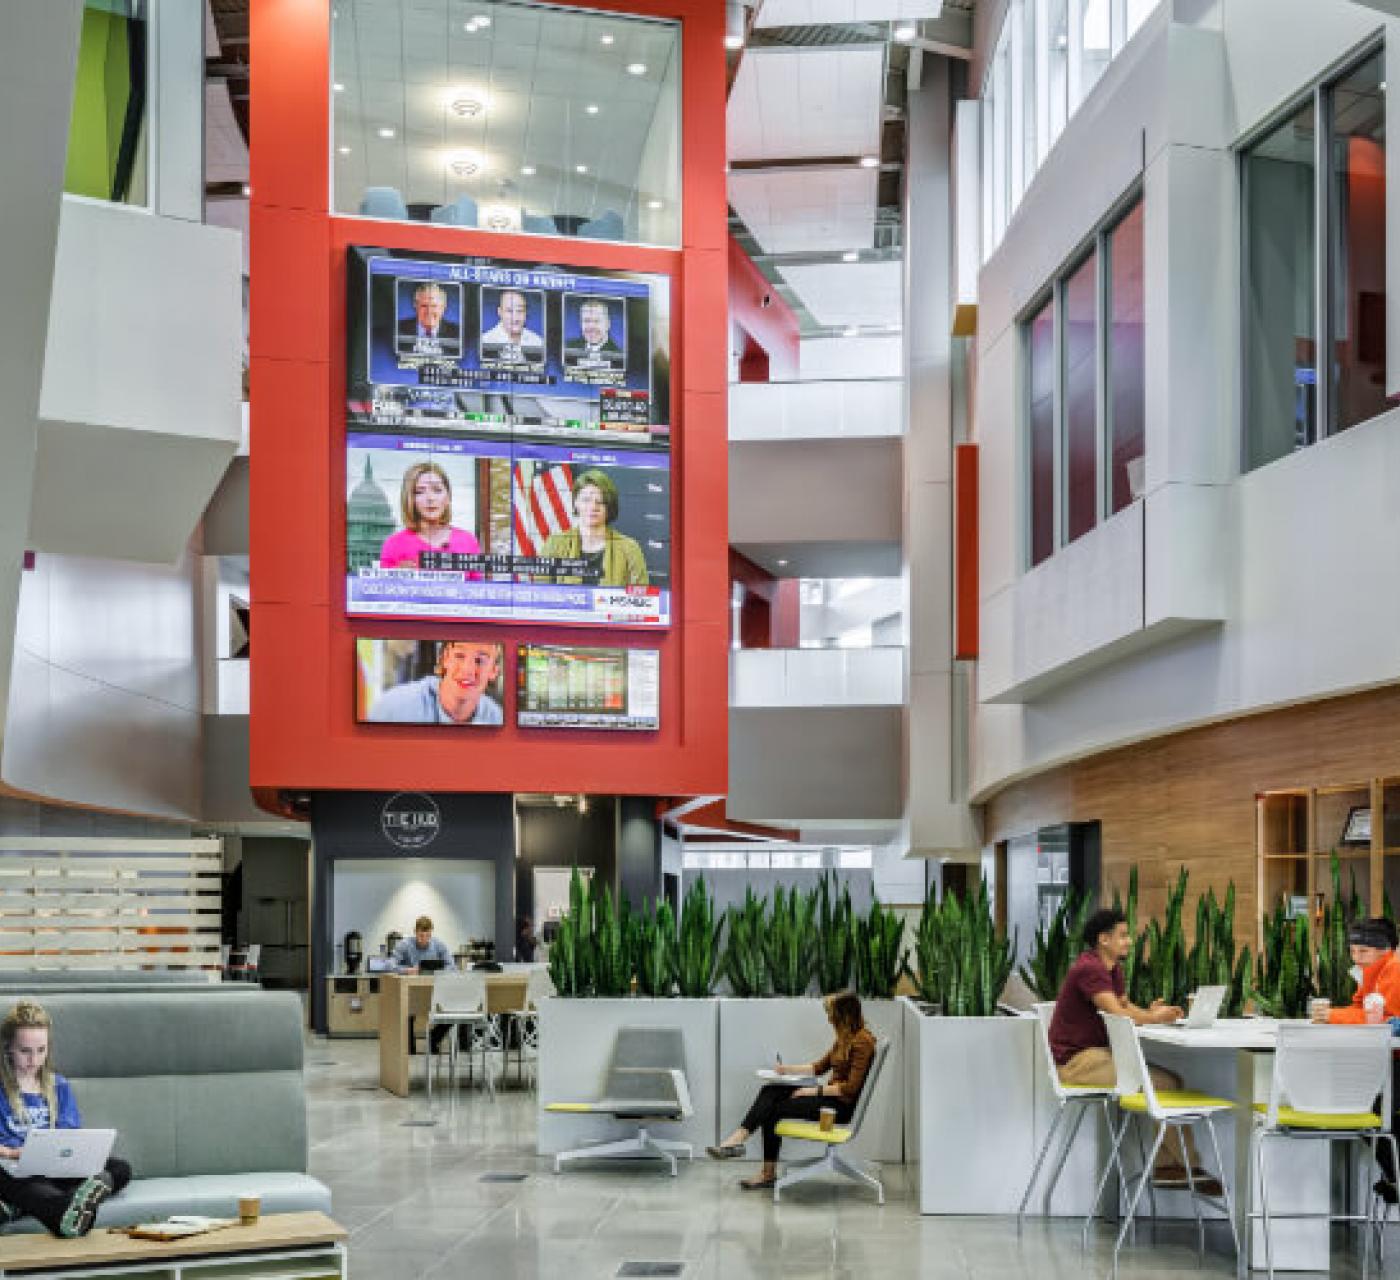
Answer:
(1373, 952)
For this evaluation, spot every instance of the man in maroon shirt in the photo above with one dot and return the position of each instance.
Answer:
(1079, 1037)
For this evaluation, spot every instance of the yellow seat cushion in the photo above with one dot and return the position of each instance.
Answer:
(811, 1131)
(1288, 1118)
(1175, 1100)
(573, 1107)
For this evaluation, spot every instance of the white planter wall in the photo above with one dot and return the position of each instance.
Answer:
(751, 1032)
(576, 1041)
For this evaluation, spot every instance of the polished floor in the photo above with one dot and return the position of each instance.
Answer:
(416, 1204)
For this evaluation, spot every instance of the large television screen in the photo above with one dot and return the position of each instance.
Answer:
(508, 442)
(564, 687)
(448, 682)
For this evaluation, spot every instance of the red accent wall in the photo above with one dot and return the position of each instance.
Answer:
(966, 570)
(303, 731)
(773, 329)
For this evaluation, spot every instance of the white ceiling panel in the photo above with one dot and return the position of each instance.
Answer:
(867, 293)
(807, 212)
(791, 104)
(799, 13)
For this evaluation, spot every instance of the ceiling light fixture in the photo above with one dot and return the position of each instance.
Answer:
(247, 190)
(850, 331)
(905, 32)
(636, 68)
(580, 168)
(467, 106)
(782, 564)
(592, 108)
(656, 204)
(338, 87)
(386, 133)
(870, 162)
(465, 164)
(527, 170)
(850, 256)
(345, 151)
(734, 42)
(606, 39)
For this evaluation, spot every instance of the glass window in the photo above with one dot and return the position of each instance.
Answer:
(1080, 312)
(1028, 93)
(989, 128)
(1279, 288)
(1057, 37)
(1001, 141)
(1040, 342)
(107, 134)
(1358, 244)
(1127, 352)
(1137, 12)
(1095, 43)
(508, 116)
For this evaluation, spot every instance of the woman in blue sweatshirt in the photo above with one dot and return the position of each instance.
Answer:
(34, 1096)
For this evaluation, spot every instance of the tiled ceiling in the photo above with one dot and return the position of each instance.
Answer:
(812, 211)
(797, 13)
(792, 104)
(867, 295)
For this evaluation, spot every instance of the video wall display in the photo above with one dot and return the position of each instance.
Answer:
(508, 442)
(564, 687)
(449, 682)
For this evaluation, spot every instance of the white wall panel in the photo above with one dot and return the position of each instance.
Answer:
(814, 410)
(377, 896)
(816, 677)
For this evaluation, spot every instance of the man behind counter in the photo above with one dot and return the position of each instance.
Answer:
(409, 956)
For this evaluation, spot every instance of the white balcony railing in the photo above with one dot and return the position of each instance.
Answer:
(838, 409)
(817, 677)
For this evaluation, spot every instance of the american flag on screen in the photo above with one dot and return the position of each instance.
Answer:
(541, 504)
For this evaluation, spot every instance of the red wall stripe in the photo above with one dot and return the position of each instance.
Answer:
(967, 620)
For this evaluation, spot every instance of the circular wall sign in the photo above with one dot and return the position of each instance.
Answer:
(410, 820)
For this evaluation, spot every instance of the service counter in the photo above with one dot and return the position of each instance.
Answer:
(352, 1004)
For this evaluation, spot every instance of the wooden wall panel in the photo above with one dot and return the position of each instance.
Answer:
(1189, 799)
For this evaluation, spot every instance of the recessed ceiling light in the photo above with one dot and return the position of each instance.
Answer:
(905, 32)
(466, 104)
(345, 151)
(386, 133)
(482, 20)
(338, 87)
(850, 331)
(247, 190)
(870, 162)
(592, 108)
(656, 204)
(606, 39)
(850, 256)
(580, 168)
(465, 164)
(636, 68)
(782, 564)
(528, 170)
(733, 42)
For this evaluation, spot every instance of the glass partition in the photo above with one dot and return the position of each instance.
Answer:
(1040, 364)
(1127, 359)
(1081, 399)
(507, 116)
(107, 134)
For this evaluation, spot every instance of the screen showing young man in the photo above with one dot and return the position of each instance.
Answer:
(443, 682)
(561, 687)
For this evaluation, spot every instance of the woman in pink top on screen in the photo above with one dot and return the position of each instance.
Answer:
(425, 505)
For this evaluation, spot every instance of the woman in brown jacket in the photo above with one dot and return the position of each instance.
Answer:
(848, 1061)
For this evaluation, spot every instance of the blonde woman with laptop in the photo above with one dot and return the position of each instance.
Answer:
(34, 1096)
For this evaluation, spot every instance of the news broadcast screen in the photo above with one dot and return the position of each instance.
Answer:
(488, 344)
(449, 682)
(508, 443)
(563, 687)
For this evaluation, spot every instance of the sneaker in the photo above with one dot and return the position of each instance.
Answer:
(82, 1208)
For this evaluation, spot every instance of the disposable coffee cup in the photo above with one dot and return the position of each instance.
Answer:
(827, 1119)
(1320, 1008)
(1374, 1006)
(249, 1207)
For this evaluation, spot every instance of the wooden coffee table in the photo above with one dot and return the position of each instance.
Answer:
(291, 1246)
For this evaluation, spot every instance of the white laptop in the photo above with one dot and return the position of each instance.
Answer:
(1205, 1008)
(62, 1153)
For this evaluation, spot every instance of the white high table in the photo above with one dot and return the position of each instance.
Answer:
(1234, 1059)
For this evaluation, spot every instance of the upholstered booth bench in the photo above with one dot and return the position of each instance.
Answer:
(206, 1097)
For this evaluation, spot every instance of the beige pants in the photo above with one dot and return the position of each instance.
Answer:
(1095, 1067)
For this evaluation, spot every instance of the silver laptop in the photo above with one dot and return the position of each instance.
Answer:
(1205, 1008)
(62, 1153)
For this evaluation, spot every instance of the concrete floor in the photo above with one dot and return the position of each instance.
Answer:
(417, 1208)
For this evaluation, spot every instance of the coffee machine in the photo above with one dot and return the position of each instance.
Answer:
(354, 950)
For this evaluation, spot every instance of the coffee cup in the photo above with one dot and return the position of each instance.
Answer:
(826, 1119)
(1374, 1007)
(1319, 1008)
(249, 1207)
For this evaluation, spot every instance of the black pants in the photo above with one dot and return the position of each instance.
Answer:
(775, 1102)
(48, 1198)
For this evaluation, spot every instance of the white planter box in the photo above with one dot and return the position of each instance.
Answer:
(576, 1042)
(752, 1032)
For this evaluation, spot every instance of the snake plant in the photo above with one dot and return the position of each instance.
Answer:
(880, 956)
(1213, 960)
(1056, 944)
(835, 936)
(1283, 972)
(788, 943)
(612, 951)
(964, 962)
(1334, 978)
(656, 948)
(571, 954)
(745, 964)
(698, 957)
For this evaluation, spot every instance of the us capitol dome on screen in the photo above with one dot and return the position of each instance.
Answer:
(369, 520)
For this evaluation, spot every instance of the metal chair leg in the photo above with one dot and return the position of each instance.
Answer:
(1113, 1159)
(1151, 1187)
(1195, 1200)
(1264, 1202)
(1080, 1110)
(1039, 1161)
(1224, 1183)
(1144, 1178)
